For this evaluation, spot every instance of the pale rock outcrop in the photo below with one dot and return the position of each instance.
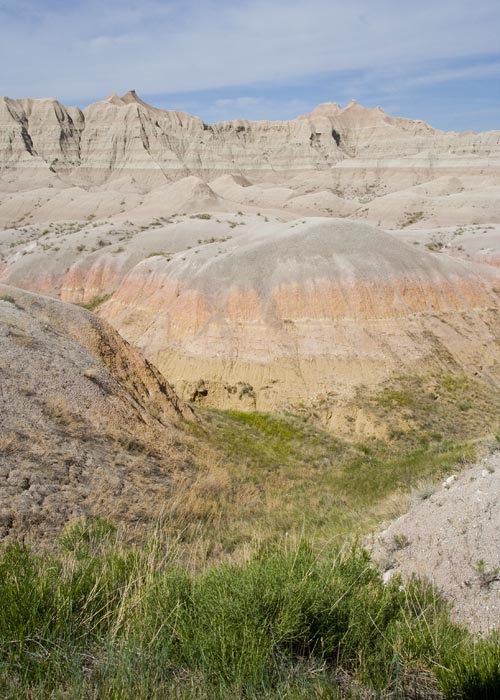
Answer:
(450, 537)
(359, 153)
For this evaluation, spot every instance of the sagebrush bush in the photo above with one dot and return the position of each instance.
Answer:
(98, 619)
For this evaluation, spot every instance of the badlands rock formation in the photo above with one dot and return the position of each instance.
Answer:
(87, 427)
(306, 311)
(349, 162)
(185, 237)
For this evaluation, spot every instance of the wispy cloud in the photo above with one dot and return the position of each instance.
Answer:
(238, 101)
(259, 107)
(84, 49)
(484, 70)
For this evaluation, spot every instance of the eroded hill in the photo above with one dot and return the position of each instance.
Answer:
(122, 156)
(87, 426)
(305, 313)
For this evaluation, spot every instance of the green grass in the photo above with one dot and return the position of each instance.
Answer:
(272, 476)
(282, 474)
(8, 298)
(270, 440)
(95, 302)
(98, 620)
(265, 478)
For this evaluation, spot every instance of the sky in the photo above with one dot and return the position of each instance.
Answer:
(436, 60)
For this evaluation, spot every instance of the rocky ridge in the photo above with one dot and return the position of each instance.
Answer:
(350, 161)
(126, 134)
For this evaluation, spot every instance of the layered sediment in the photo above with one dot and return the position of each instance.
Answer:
(314, 307)
(350, 161)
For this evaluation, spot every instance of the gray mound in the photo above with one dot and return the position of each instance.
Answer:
(337, 250)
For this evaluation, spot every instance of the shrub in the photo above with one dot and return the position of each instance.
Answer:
(102, 620)
(95, 302)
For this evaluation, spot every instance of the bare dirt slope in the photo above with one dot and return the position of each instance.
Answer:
(286, 314)
(87, 427)
(451, 538)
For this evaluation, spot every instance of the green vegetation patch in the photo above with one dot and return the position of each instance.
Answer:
(283, 474)
(279, 475)
(97, 619)
(95, 302)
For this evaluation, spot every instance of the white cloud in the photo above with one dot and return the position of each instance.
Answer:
(80, 50)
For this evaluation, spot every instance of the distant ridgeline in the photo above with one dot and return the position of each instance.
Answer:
(125, 135)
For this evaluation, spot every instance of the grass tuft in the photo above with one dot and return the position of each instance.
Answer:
(95, 302)
(97, 619)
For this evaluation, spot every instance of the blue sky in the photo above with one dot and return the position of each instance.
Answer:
(261, 59)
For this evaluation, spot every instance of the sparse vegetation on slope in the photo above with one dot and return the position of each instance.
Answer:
(419, 411)
(411, 217)
(95, 302)
(260, 477)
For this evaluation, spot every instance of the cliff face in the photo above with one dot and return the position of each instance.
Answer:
(127, 136)
(122, 157)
